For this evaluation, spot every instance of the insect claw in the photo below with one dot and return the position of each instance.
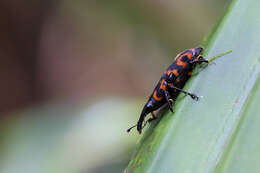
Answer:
(195, 97)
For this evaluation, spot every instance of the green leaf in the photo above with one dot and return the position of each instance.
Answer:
(219, 133)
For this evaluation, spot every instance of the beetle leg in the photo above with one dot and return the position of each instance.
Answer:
(168, 99)
(167, 96)
(193, 96)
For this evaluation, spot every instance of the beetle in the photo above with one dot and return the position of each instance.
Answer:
(171, 84)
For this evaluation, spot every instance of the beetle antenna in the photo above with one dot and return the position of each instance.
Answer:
(128, 130)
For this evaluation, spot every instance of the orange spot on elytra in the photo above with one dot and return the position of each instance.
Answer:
(179, 59)
(156, 97)
(181, 63)
(178, 80)
(190, 73)
(162, 86)
(174, 71)
(189, 55)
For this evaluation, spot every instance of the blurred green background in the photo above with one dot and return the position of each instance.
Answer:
(75, 75)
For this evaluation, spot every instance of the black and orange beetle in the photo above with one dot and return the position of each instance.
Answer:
(171, 84)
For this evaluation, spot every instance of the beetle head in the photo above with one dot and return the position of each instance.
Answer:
(197, 51)
(197, 58)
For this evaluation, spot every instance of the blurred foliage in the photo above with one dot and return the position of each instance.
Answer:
(67, 138)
